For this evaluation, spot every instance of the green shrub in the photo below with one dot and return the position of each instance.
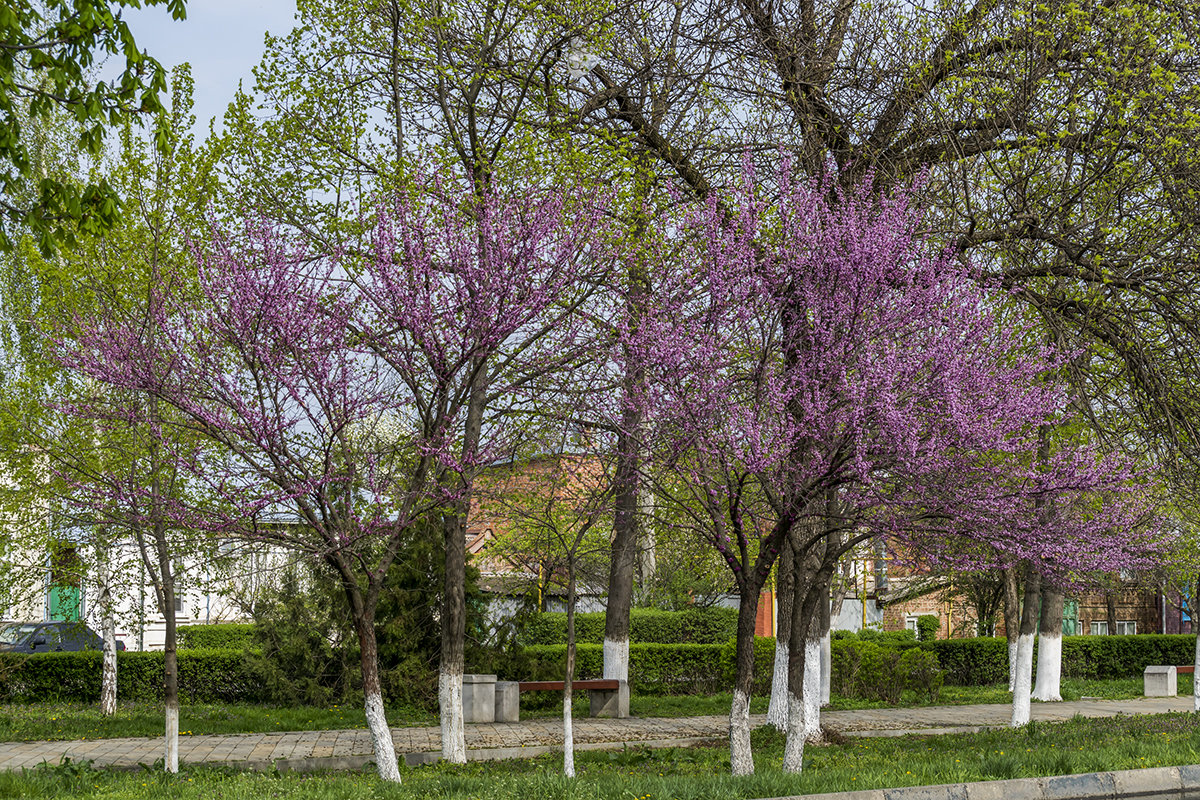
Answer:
(981, 661)
(971, 662)
(219, 636)
(764, 664)
(868, 670)
(205, 676)
(1124, 656)
(656, 668)
(927, 627)
(897, 639)
(923, 673)
(648, 625)
(653, 668)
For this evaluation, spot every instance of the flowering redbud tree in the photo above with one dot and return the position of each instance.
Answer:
(347, 396)
(819, 345)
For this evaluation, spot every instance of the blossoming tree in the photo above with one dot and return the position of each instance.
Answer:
(819, 344)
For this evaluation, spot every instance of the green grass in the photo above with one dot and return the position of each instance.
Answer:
(692, 774)
(24, 722)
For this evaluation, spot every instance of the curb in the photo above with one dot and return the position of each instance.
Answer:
(1151, 783)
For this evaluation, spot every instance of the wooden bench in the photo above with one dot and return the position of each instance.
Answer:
(606, 697)
(1160, 681)
(558, 686)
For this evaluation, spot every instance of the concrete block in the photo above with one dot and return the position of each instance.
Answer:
(1189, 780)
(1160, 682)
(508, 701)
(609, 702)
(945, 791)
(1091, 785)
(479, 698)
(1014, 789)
(1152, 783)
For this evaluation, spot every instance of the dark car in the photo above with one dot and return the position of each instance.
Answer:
(49, 637)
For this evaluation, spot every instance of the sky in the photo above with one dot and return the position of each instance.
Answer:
(221, 39)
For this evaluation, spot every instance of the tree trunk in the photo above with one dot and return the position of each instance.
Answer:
(804, 669)
(568, 728)
(1110, 602)
(624, 552)
(1012, 621)
(777, 711)
(626, 480)
(454, 603)
(170, 659)
(1029, 623)
(108, 677)
(1192, 602)
(824, 620)
(381, 735)
(1049, 666)
(741, 758)
(450, 668)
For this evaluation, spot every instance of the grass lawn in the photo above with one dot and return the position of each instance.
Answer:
(25, 722)
(693, 774)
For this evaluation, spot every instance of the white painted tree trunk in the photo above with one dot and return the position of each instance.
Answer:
(1196, 672)
(777, 710)
(1012, 661)
(108, 672)
(1021, 687)
(616, 660)
(381, 738)
(568, 738)
(812, 690)
(450, 701)
(171, 758)
(793, 749)
(826, 667)
(741, 759)
(1049, 668)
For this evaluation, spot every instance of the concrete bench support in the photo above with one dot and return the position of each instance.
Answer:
(609, 702)
(508, 701)
(1160, 682)
(479, 698)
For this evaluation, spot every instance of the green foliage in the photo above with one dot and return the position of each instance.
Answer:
(690, 626)
(867, 669)
(657, 668)
(923, 673)
(301, 644)
(219, 636)
(982, 661)
(310, 650)
(50, 49)
(1124, 656)
(972, 662)
(927, 627)
(205, 676)
(897, 639)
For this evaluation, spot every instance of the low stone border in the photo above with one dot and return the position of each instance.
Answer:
(1151, 783)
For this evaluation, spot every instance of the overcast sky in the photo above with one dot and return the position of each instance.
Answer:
(221, 39)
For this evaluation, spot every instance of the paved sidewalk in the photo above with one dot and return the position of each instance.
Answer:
(347, 749)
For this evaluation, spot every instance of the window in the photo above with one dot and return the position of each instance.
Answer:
(1099, 628)
(1127, 627)
(178, 604)
(910, 622)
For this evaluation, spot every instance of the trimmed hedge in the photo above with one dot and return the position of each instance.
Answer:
(657, 668)
(971, 662)
(648, 625)
(975, 662)
(205, 676)
(869, 670)
(218, 636)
